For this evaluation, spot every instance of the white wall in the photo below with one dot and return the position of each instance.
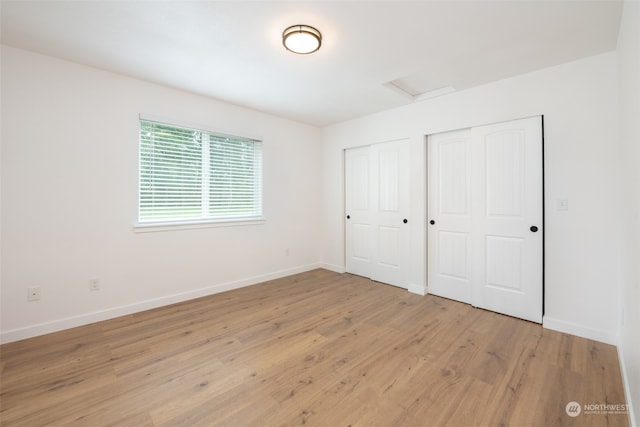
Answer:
(579, 104)
(69, 199)
(628, 53)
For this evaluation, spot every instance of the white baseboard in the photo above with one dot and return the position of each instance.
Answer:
(627, 388)
(579, 330)
(110, 313)
(332, 267)
(417, 289)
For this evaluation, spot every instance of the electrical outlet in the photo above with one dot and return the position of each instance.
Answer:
(33, 293)
(94, 284)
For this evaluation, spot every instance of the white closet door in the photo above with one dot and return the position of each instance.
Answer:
(377, 206)
(359, 230)
(507, 201)
(390, 191)
(485, 212)
(449, 206)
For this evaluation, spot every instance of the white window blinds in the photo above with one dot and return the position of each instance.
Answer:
(191, 174)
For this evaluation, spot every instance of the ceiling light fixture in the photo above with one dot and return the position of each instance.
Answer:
(301, 39)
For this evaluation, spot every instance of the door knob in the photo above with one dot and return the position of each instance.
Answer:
(405, 220)
(533, 228)
(432, 222)
(348, 216)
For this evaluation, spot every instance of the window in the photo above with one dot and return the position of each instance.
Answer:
(189, 174)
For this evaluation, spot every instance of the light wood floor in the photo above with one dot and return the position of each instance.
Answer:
(319, 349)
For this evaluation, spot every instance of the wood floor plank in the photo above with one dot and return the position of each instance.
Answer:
(313, 349)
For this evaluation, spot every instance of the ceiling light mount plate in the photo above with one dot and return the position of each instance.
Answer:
(301, 39)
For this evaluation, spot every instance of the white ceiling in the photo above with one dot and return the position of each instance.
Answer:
(233, 51)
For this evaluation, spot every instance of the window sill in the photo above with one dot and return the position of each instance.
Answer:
(151, 227)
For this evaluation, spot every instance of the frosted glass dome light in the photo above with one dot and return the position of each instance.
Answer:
(301, 39)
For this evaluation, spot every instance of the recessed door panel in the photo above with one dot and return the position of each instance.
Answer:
(453, 261)
(361, 242)
(503, 263)
(389, 246)
(453, 177)
(359, 181)
(388, 185)
(505, 172)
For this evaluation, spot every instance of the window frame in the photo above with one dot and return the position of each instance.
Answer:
(179, 224)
